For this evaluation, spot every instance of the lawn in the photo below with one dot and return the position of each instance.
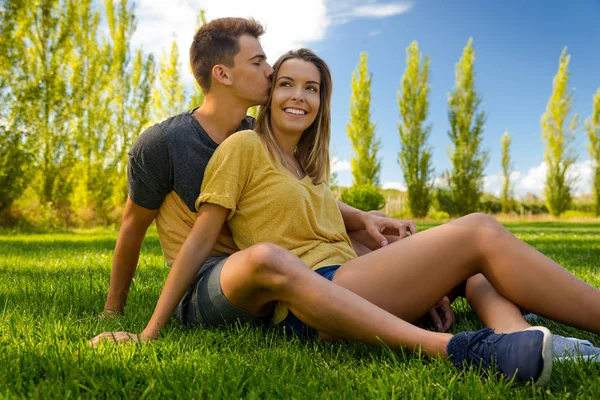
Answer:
(53, 286)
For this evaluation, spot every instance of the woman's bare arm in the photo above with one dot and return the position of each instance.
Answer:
(191, 256)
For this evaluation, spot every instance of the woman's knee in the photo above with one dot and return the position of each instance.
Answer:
(481, 224)
(269, 264)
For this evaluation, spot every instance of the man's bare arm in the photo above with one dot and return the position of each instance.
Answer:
(136, 220)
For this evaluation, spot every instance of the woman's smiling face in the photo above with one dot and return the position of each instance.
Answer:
(296, 96)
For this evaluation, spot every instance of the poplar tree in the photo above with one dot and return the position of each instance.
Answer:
(365, 165)
(15, 154)
(169, 95)
(40, 89)
(89, 114)
(558, 132)
(466, 133)
(414, 156)
(506, 171)
(132, 79)
(592, 126)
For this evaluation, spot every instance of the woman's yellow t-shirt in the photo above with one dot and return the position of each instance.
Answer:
(269, 205)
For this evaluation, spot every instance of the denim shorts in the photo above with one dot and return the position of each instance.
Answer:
(205, 304)
(292, 325)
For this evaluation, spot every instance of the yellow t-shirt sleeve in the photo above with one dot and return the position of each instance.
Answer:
(228, 172)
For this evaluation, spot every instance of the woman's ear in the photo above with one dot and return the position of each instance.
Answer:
(221, 74)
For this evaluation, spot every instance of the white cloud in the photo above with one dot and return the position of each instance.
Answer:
(338, 165)
(394, 185)
(343, 11)
(534, 180)
(374, 33)
(381, 10)
(289, 24)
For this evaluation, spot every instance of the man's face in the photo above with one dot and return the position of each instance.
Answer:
(251, 74)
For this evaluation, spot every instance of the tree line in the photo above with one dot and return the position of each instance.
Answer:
(75, 94)
(462, 186)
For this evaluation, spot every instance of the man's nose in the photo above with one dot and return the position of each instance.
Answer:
(269, 71)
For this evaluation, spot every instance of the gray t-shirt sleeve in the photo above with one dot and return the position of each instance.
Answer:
(149, 169)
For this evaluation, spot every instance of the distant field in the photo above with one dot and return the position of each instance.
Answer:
(52, 287)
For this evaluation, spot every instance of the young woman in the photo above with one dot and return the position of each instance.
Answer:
(270, 187)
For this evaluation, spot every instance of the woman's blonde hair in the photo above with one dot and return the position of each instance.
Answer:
(312, 150)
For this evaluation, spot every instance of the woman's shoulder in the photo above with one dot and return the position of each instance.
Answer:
(244, 142)
(243, 138)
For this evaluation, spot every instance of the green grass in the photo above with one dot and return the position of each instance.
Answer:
(52, 286)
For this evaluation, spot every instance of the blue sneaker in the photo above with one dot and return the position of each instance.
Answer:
(521, 356)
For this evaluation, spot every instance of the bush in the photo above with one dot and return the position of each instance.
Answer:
(363, 197)
(533, 208)
(442, 201)
(438, 215)
(577, 214)
(490, 205)
(29, 211)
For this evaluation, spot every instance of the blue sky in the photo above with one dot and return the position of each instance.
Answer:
(518, 44)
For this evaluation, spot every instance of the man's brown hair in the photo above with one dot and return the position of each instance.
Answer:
(217, 42)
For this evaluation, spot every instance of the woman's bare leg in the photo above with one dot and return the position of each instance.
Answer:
(493, 309)
(253, 279)
(410, 276)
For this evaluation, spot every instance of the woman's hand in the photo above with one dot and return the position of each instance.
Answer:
(442, 315)
(378, 224)
(120, 337)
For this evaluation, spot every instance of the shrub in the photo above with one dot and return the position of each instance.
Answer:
(438, 215)
(577, 214)
(363, 197)
(442, 201)
(490, 206)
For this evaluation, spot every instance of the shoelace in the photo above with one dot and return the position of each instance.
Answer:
(480, 348)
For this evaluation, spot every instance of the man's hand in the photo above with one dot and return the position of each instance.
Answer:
(377, 224)
(109, 314)
(442, 315)
(119, 337)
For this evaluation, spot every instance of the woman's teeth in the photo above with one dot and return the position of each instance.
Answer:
(294, 111)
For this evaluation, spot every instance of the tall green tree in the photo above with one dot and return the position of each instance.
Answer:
(15, 152)
(90, 116)
(169, 93)
(415, 156)
(365, 165)
(466, 133)
(40, 82)
(197, 98)
(132, 76)
(506, 171)
(558, 132)
(592, 126)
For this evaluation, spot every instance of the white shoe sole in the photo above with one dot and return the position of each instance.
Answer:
(547, 354)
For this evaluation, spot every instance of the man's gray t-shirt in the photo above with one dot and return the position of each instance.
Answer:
(165, 171)
(171, 156)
